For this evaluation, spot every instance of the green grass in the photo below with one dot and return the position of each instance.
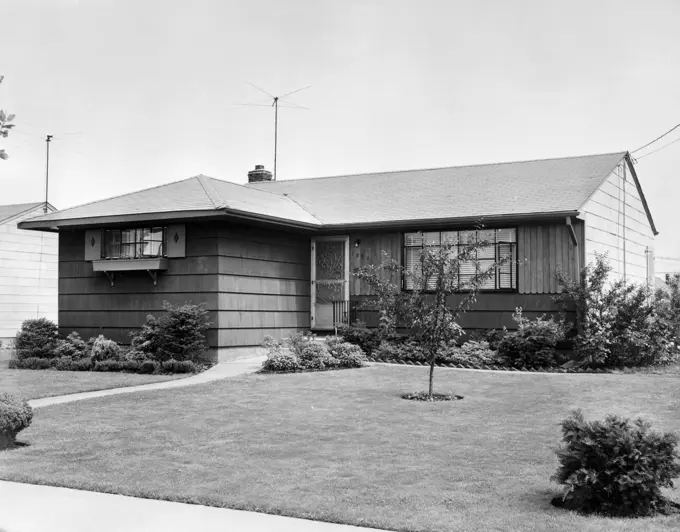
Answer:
(34, 384)
(342, 446)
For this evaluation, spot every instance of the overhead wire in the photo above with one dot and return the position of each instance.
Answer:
(656, 139)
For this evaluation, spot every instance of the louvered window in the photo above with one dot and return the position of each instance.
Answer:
(503, 244)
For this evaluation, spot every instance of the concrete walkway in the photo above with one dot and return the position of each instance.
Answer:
(217, 372)
(31, 508)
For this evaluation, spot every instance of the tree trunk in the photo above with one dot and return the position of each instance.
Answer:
(432, 360)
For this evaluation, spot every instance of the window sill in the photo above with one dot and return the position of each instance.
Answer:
(123, 265)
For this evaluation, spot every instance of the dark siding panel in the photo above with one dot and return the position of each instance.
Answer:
(90, 305)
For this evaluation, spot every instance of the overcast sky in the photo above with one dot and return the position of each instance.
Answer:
(139, 93)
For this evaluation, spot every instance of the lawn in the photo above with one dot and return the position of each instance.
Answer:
(34, 384)
(343, 446)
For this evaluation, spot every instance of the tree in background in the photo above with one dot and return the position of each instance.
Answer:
(5, 126)
(427, 310)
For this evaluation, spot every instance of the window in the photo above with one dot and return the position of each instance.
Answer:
(146, 242)
(504, 244)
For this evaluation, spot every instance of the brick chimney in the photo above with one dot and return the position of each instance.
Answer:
(259, 174)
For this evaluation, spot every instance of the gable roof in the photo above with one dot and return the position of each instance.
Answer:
(504, 191)
(11, 211)
(528, 187)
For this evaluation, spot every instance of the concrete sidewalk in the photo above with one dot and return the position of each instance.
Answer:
(31, 508)
(220, 371)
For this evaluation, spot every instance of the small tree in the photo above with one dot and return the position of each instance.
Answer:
(426, 309)
(5, 126)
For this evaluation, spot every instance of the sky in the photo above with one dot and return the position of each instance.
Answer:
(140, 93)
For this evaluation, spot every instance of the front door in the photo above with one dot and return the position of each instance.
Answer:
(330, 278)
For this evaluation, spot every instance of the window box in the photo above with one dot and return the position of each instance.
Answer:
(111, 266)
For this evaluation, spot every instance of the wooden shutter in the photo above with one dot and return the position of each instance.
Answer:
(175, 238)
(93, 244)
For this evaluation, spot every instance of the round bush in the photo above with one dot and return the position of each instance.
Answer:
(315, 356)
(178, 366)
(73, 346)
(347, 355)
(15, 416)
(37, 339)
(615, 467)
(281, 362)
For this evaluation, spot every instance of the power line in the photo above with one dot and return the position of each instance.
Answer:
(659, 149)
(658, 138)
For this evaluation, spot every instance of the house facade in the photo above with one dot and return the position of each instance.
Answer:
(273, 258)
(28, 269)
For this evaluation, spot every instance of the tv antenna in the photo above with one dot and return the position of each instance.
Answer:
(275, 102)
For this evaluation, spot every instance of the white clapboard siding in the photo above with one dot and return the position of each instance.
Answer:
(616, 222)
(28, 274)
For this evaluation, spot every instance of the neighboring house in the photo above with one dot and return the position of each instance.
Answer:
(28, 269)
(275, 257)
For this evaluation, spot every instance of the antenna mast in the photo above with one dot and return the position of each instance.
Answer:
(275, 105)
(48, 138)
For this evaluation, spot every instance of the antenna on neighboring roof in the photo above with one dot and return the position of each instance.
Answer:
(275, 104)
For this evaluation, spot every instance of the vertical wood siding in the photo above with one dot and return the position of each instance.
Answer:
(543, 250)
(370, 251)
(617, 224)
(28, 274)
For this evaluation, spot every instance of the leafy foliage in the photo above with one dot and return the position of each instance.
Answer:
(615, 467)
(533, 344)
(73, 347)
(109, 365)
(37, 339)
(178, 366)
(345, 354)
(621, 324)
(67, 363)
(15, 416)
(5, 126)
(315, 356)
(149, 366)
(179, 334)
(104, 349)
(358, 334)
(471, 352)
(31, 363)
(406, 350)
(426, 310)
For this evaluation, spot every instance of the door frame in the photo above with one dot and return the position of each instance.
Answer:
(314, 240)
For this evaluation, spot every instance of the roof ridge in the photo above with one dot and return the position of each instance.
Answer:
(26, 207)
(213, 195)
(285, 195)
(622, 153)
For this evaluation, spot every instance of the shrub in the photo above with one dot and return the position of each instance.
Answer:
(408, 350)
(131, 366)
(281, 362)
(178, 366)
(533, 344)
(347, 355)
(358, 334)
(621, 324)
(31, 363)
(494, 337)
(37, 339)
(615, 467)
(104, 349)
(15, 416)
(135, 355)
(315, 356)
(178, 334)
(73, 346)
(109, 365)
(82, 364)
(149, 366)
(471, 352)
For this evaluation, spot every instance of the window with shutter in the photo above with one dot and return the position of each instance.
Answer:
(503, 244)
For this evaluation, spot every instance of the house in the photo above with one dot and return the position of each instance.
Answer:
(28, 269)
(274, 257)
